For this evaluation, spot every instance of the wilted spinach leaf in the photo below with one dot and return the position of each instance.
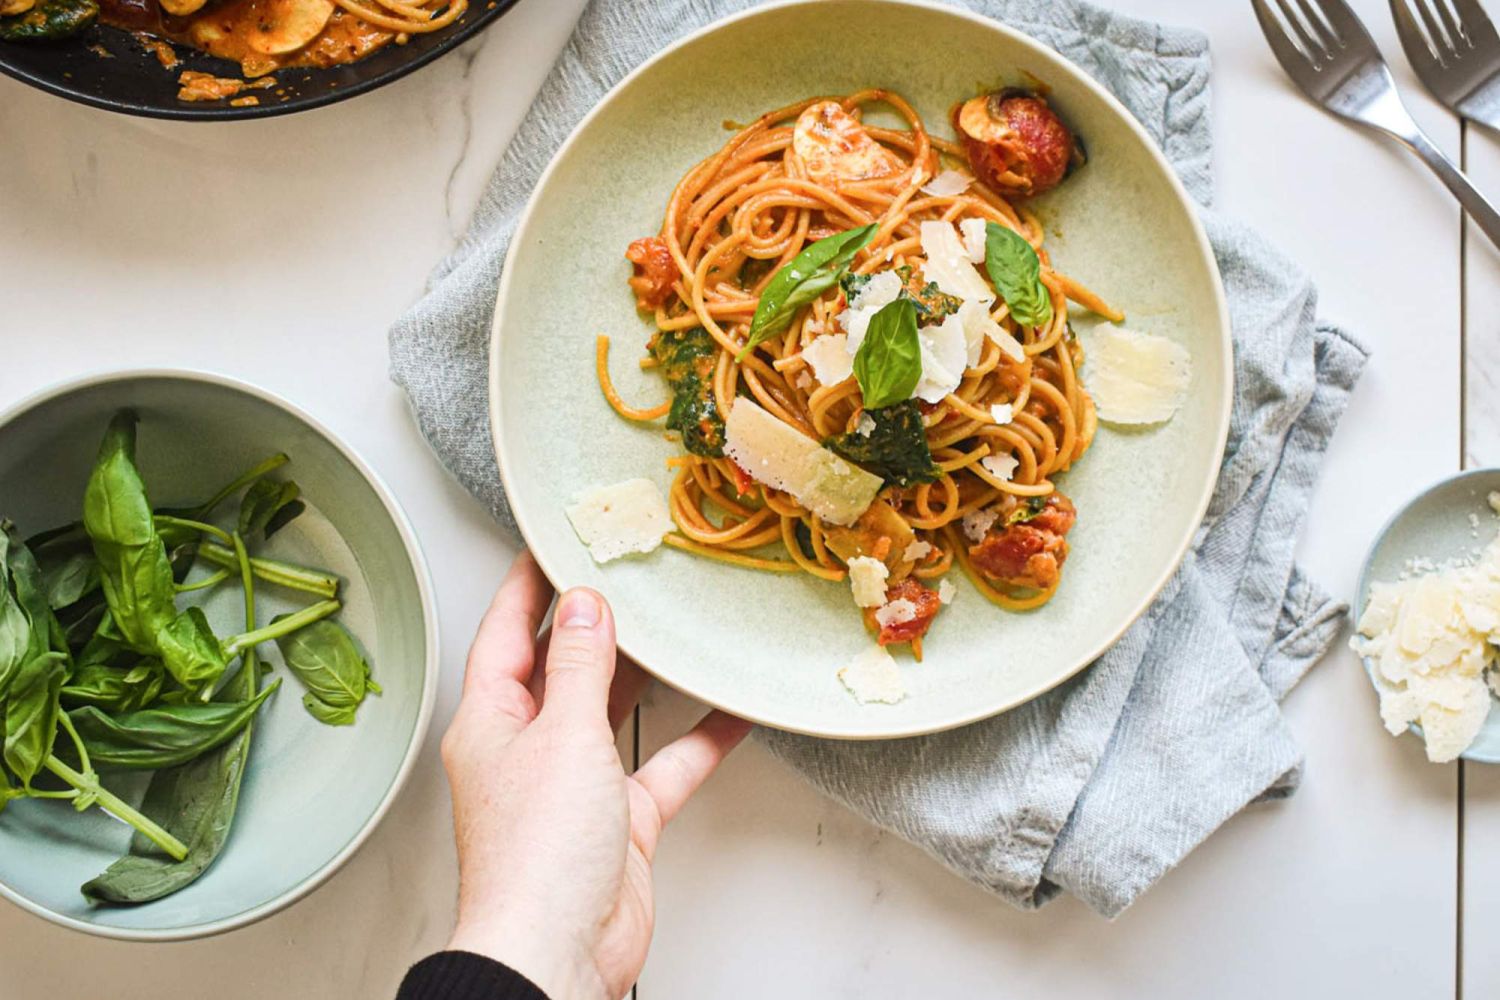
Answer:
(896, 447)
(49, 20)
(687, 359)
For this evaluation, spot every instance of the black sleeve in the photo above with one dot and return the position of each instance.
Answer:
(461, 975)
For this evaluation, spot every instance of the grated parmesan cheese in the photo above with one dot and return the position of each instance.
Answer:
(777, 454)
(867, 578)
(948, 264)
(873, 677)
(975, 238)
(1002, 413)
(1000, 466)
(896, 612)
(977, 523)
(1136, 378)
(947, 184)
(1431, 638)
(946, 591)
(830, 359)
(615, 521)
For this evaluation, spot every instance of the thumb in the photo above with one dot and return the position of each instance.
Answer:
(581, 657)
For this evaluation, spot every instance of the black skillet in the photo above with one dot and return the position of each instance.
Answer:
(131, 81)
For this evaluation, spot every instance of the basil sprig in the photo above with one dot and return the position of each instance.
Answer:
(888, 364)
(808, 275)
(1016, 272)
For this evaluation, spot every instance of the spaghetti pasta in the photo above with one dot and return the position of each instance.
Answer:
(983, 495)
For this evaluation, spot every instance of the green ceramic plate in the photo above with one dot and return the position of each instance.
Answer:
(312, 793)
(765, 647)
(1451, 519)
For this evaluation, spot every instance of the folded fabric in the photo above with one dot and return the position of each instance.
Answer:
(1103, 784)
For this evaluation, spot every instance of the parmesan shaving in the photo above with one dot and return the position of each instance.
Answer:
(614, 521)
(944, 358)
(873, 677)
(779, 455)
(1002, 413)
(1000, 466)
(948, 264)
(867, 578)
(946, 592)
(948, 184)
(917, 550)
(830, 359)
(977, 523)
(896, 612)
(975, 237)
(1136, 378)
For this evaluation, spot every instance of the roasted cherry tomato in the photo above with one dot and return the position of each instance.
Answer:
(1016, 143)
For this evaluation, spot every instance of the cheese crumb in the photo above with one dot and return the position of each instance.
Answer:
(977, 523)
(1002, 413)
(1000, 466)
(865, 425)
(830, 359)
(1136, 378)
(946, 591)
(614, 521)
(917, 550)
(867, 579)
(896, 612)
(975, 238)
(947, 184)
(779, 455)
(804, 380)
(873, 677)
(1431, 638)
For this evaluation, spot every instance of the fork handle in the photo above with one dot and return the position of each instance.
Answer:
(1478, 207)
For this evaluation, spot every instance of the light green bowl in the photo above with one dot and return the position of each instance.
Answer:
(1435, 525)
(768, 647)
(312, 793)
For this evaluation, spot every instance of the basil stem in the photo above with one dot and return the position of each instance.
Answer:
(289, 575)
(282, 626)
(88, 786)
(187, 524)
(212, 580)
(806, 276)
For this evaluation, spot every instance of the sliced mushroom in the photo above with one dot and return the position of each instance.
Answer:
(287, 25)
(833, 146)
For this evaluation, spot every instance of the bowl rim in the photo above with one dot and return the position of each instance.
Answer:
(1362, 586)
(430, 679)
(188, 112)
(1226, 369)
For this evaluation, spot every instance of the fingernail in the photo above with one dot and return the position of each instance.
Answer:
(578, 609)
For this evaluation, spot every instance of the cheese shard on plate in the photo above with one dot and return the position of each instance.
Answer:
(944, 358)
(618, 520)
(975, 238)
(873, 677)
(867, 579)
(1136, 378)
(947, 184)
(1430, 638)
(946, 592)
(777, 454)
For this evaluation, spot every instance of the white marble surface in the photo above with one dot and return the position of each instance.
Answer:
(279, 251)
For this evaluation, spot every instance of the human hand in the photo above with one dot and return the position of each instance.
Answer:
(555, 841)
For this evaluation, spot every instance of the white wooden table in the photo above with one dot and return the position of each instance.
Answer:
(279, 251)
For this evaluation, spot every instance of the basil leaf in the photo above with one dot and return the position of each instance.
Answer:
(154, 738)
(16, 635)
(806, 276)
(69, 578)
(896, 447)
(1016, 272)
(134, 569)
(115, 689)
(326, 661)
(191, 652)
(268, 507)
(888, 364)
(31, 711)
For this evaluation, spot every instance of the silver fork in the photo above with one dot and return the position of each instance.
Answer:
(1328, 53)
(1455, 50)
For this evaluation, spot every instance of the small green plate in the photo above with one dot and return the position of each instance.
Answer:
(768, 647)
(312, 794)
(1436, 525)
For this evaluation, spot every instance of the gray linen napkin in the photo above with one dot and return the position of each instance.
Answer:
(1106, 782)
